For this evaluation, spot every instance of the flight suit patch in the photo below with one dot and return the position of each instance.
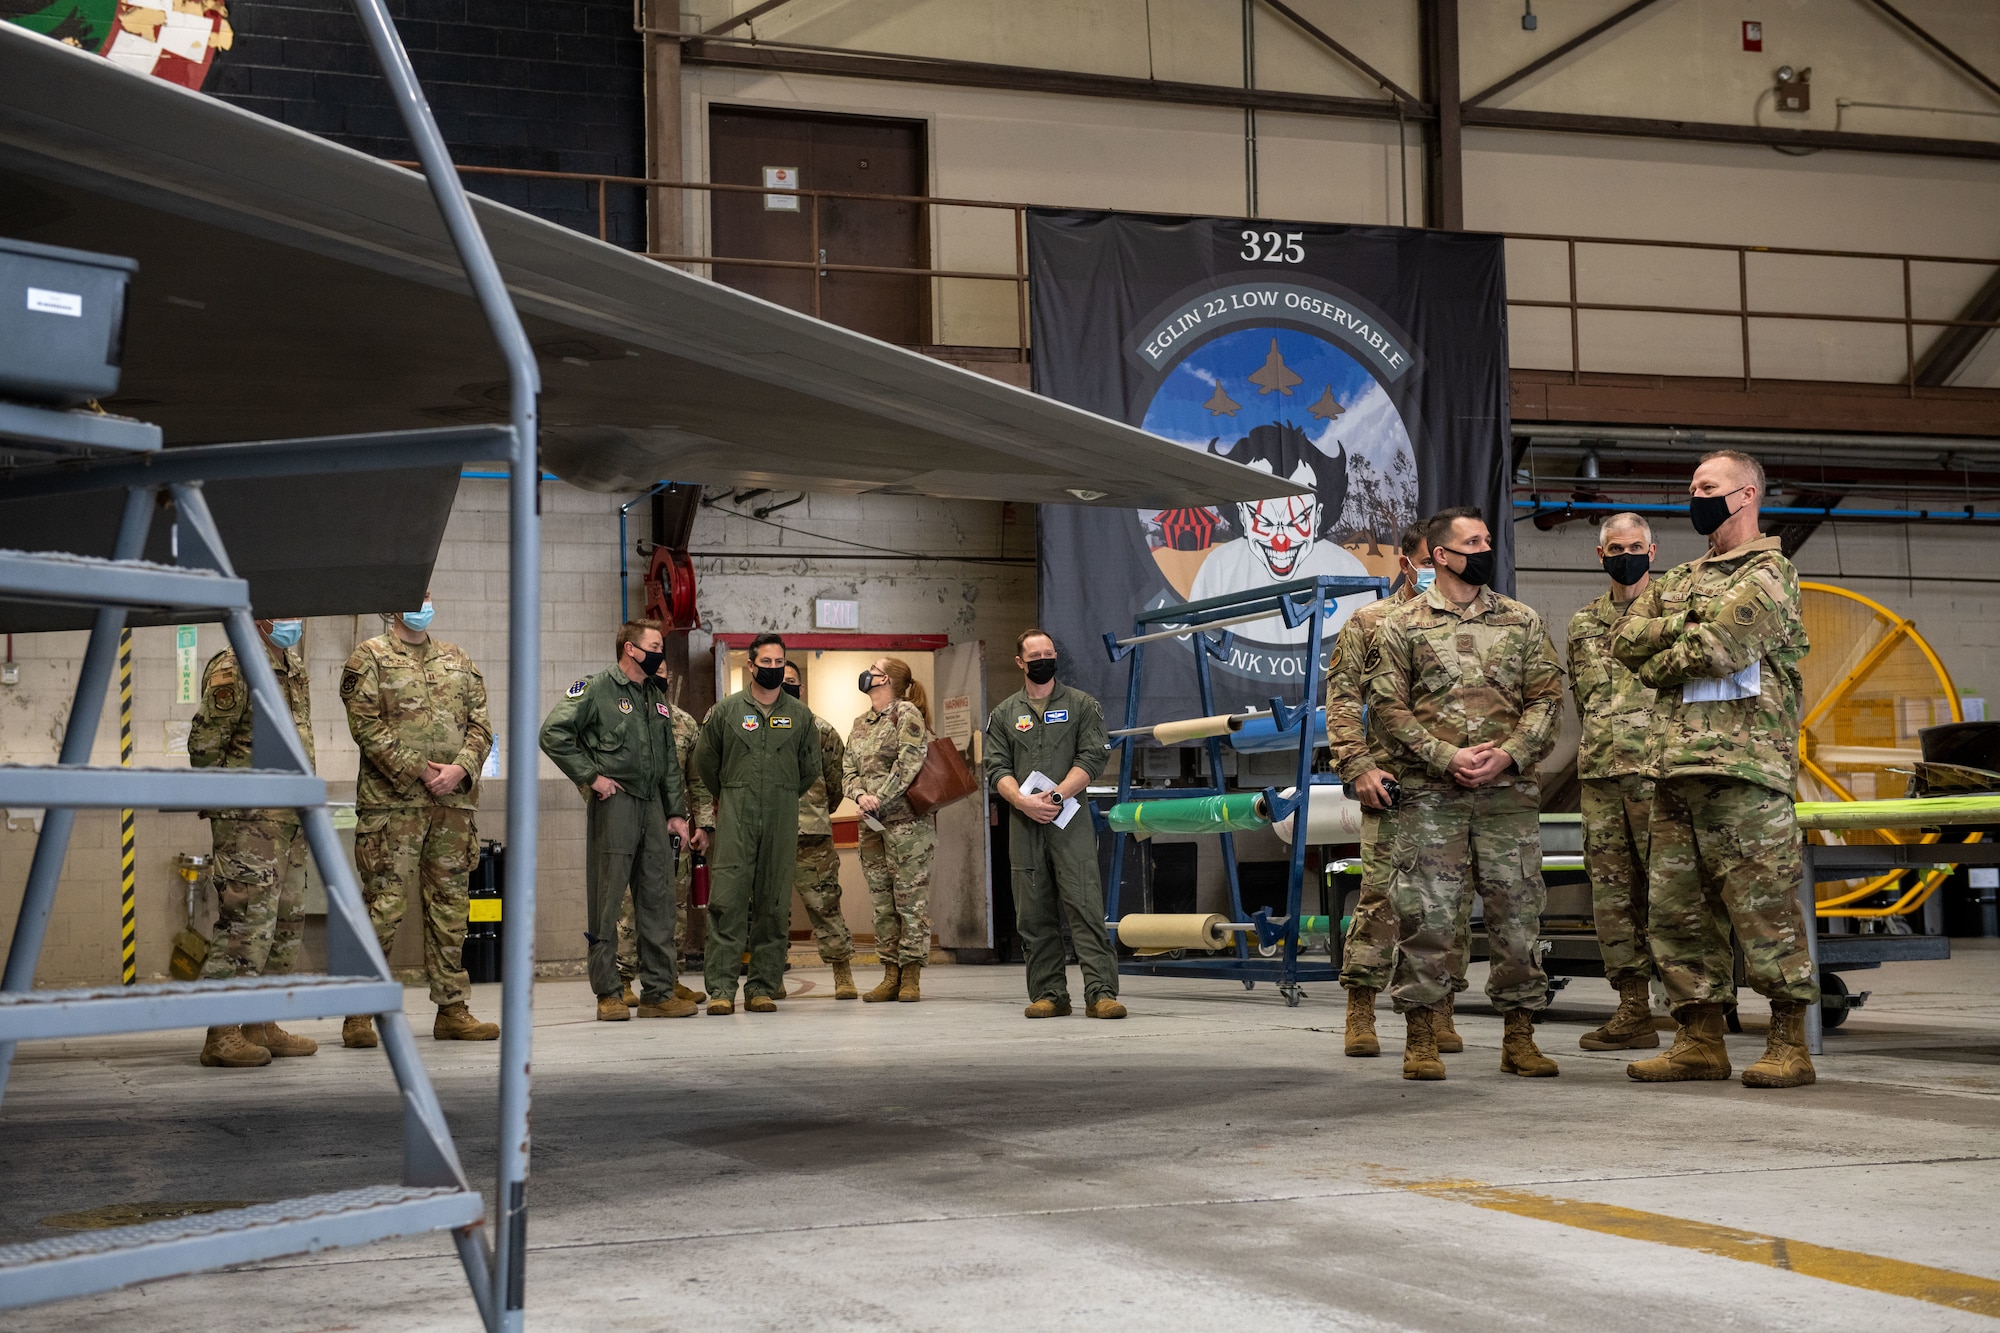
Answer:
(663, 710)
(1024, 723)
(624, 705)
(782, 722)
(576, 691)
(749, 722)
(1056, 715)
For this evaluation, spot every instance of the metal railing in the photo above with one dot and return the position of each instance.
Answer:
(1742, 312)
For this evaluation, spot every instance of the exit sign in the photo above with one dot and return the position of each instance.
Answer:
(828, 614)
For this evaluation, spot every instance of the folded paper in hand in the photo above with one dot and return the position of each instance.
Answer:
(1745, 684)
(1038, 781)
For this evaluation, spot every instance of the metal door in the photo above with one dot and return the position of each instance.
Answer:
(961, 883)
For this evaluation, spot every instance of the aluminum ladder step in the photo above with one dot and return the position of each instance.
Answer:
(86, 580)
(84, 788)
(98, 1011)
(92, 1261)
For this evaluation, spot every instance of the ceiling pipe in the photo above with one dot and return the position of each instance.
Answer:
(1696, 438)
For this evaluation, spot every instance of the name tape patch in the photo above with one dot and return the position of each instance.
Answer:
(781, 722)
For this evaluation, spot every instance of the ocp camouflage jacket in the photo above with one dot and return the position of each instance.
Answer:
(1615, 707)
(1356, 744)
(1713, 617)
(885, 752)
(1440, 679)
(220, 735)
(816, 807)
(409, 705)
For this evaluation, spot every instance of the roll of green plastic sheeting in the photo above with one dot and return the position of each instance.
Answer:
(1916, 812)
(1234, 813)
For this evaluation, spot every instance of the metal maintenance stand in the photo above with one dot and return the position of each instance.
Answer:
(1204, 624)
(105, 454)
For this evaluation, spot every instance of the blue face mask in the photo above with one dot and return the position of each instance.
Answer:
(420, 620)
(1425, 578)
(285, 633)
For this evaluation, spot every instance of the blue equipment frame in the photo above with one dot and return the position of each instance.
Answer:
(1300, 602)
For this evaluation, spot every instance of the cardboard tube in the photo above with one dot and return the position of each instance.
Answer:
(1159, 930)
(1191, 729)
(1332, 817)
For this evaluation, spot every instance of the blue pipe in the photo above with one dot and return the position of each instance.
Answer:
(1260, 734)
(500, 476)
(1524, 508)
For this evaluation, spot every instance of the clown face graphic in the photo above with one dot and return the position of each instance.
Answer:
(1282, 532)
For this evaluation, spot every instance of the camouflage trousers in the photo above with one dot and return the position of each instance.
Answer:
(1368, 948)
(1725, 855)
(1449, 844)
(628, 938)
(817, 882)
(1616, 813)
(259, 873)
(430, 849)
(897, 862)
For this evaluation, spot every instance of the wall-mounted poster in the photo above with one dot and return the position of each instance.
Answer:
(1367, 364)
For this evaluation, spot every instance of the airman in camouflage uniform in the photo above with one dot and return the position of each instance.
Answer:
(816, 875)
(701, 816)
(1368, 951)
(1720, 639)
(885, 752)
(1467, 694)
(417, 709)
(1616, 709)
(259, 865)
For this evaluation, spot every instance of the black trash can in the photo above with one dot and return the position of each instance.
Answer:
(483, 927)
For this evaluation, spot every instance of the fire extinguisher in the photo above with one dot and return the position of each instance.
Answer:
(698, 879)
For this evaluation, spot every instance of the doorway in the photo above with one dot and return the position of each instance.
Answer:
(864, 154)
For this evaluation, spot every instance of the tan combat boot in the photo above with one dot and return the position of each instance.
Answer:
(843, 982)
(1104, 1006)
(675, 1007)
(1785, 1063)
(892, 981)
(1420, 1048)
(226, 1049)
(719, 1007)
(761, 1004)
(1361, 1038)
(908, 989)
(1631, 1027)
(1047, 1008)
(691, 996)
(1448, 1040)
(1697, 1052)
(456, 1023)
(631, 997)
(611, 1009)
(278, 1041)
(357, 1031)
(1518, 1052)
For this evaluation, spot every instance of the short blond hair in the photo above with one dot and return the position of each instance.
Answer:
(1743, 461)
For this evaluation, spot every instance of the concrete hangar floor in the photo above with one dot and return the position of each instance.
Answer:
(1212, 1161)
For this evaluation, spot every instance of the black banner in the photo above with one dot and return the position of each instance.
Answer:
(1368, 363)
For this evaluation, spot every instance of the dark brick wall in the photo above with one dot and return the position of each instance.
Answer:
(545, 85)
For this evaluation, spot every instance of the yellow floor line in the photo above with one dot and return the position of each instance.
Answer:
(1871, 1272)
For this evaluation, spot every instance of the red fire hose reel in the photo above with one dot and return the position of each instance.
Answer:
(670, 589)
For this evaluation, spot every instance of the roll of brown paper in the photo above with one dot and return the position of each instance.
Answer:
(1191, 729)
(1151, 932)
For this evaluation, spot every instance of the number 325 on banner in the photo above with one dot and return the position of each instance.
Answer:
(1270, 247)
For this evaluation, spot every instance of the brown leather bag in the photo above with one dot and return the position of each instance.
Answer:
(943, 779)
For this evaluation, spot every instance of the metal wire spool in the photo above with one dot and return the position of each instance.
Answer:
(1871, 686)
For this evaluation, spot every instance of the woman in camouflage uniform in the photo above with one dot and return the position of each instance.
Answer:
(885, 752)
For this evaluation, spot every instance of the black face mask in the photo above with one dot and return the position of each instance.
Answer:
(1709, 512)
(649, 663)
(1042, 670)
(1627, 570)
(866, 682)
(791, 689)
(769, 678)
(1478, 569)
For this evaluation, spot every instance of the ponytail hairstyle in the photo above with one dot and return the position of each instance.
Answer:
(906, 687)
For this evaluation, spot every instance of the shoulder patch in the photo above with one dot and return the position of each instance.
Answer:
(223, 697)
(1745, 614)
(1372, 659)
(350, 681)
(576, 691)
